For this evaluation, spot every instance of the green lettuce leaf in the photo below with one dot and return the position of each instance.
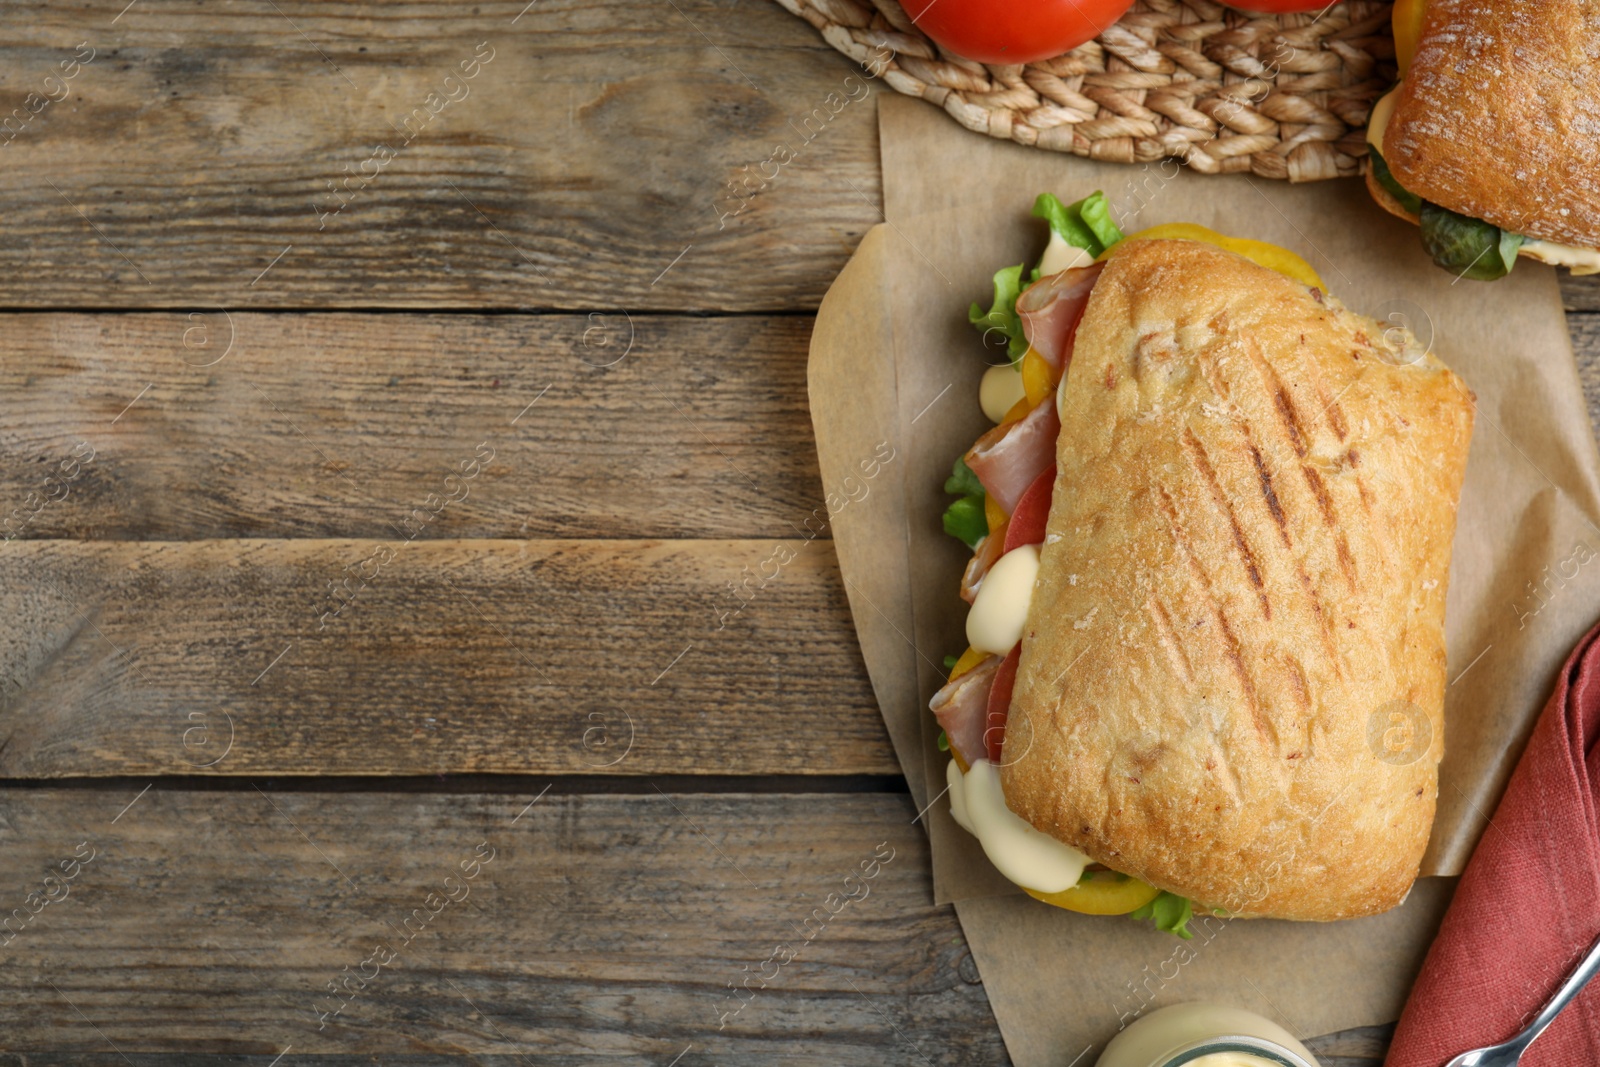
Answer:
(1467, 247)
(1095, 210)
(1509, 243)
(1169, 912)
(1086, 224)
(1380, 170)
(965, 519)
(1002, 314)
(962, 482)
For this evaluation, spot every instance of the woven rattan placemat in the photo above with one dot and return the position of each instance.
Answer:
(1280, 96)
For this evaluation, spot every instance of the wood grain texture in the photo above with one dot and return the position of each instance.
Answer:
(601, 927)
(590, 151)
(1580, 294)
(598, 927)
(577, 657)
(1586, 346)
(338, 425)
(190, 162)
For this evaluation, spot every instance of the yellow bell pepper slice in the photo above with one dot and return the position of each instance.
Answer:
(1037, 378)
(1267, 255)
(969, 659)
(1018, 411)
(1105, 893)
(995, 514)
(1407, 20)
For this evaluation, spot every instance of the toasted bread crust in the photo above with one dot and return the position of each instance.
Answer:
(1387, 201)
(1499, 116)
(1244, 571)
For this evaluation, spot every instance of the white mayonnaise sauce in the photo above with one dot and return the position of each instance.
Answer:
(998, 615)
(1577, 260)
(1032, 859)
(999, 391)
(1059, 256)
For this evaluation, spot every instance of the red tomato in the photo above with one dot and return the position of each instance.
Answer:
(1013, 31)
(1033, 508)
(1005, 676)
(1277, 7)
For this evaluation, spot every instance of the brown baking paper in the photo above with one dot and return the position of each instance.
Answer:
(894, 360)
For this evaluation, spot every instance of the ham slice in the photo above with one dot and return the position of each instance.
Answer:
(962, 708)
(1008, 458)
(990, 549)
(1050, 309)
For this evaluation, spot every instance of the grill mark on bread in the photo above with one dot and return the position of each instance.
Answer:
(1268, 493)
(1330, 404)
(1324, 625)
(1227, 777)
(1202, 463)
(1225, 634)
(1341, 543)
(1274, 505)
(1231, 650)
(1282, 402)
(1169, 640)
(1291, 418)
(1296, 676)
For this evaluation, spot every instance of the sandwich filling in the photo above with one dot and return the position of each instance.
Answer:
(1004, 487)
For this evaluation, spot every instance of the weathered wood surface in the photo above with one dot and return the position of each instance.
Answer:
(461, 655)
(190, 161)
(1580, 294)
(592, 150)
(623, 657)
(601, 927)
(189, 166)
(338, 425)
(1585, 329)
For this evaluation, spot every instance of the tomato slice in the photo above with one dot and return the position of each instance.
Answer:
(1106, 893)
(1005, 676)
(1033, 508)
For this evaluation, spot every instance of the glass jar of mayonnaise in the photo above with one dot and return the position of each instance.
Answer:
(1205, 1034)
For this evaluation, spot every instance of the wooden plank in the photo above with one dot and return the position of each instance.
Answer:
(592, 926)
(1580, 294)
(231, 155)
(338, 425)
(1586, 347)
(433, 657)
(585, 159)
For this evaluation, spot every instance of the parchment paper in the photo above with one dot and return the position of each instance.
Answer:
(894, 359)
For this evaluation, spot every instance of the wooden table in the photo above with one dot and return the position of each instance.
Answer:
(381, 459)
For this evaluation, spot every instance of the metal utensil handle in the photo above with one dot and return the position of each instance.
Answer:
(1569, 989)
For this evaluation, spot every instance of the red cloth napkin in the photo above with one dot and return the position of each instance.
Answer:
(1528, 904)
